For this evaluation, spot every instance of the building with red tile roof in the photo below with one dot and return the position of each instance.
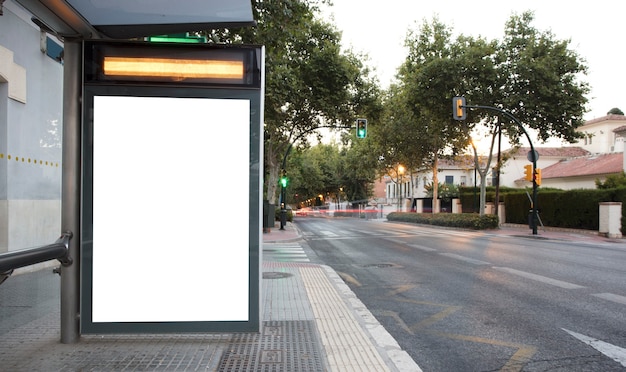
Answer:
(582, 172)
(598, 154)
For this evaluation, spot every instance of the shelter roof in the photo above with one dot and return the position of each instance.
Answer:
(124, 19)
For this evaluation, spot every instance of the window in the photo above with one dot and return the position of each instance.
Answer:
(449, 180)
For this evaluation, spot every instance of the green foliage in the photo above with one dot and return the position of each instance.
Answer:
(576, 209)
(615, 111)
(436, 69)
(289, 216)
(529, 73)
(309, 82)
(447, 191)
(540, 83)
(397, 140)
(344, 173)
(460, 220)
(612, 181)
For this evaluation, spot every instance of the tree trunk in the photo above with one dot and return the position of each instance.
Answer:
(273, 172)
(272, 183)
(483, 191)
(483, 175)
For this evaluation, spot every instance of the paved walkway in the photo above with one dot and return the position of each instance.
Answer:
(312, 321)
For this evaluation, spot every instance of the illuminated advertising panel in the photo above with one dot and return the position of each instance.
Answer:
(171, 197)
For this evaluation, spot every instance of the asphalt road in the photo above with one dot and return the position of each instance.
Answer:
(479, 301)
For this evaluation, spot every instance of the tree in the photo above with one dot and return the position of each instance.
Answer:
(540, 83)
(615, 111)
(530, 74)
(358, 170)
(309, 82)
(436, 69)
(396, 140)
(612, 181)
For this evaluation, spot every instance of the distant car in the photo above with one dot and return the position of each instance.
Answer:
(303, 211)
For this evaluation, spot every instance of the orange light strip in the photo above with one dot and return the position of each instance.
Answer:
(175, 68)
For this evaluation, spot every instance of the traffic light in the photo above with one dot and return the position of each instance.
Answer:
(361, 128)
(538, 176)
(528, 172)
(283, 181)
(459, 112)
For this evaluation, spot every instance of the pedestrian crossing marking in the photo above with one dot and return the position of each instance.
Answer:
(327, 234)
(288, 252)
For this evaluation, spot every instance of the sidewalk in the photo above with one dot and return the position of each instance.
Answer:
(312, 321)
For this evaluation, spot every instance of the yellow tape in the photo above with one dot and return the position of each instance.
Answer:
(29, 160)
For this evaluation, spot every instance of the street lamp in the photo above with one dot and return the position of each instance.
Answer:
(400, 179)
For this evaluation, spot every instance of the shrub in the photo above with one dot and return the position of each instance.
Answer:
(463, 220)
(289, 214)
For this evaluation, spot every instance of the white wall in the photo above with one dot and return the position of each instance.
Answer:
(31, 110)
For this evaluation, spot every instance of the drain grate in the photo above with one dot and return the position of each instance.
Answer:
(282, 346)
(275, 275)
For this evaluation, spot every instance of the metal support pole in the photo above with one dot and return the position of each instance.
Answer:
(534, 217)
(497, 197)
(70, 190)
(283, 207)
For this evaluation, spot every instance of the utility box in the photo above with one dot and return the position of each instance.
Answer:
(610, 219)
(269, 215)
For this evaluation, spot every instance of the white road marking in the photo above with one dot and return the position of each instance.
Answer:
(539, 278)
(611, 297)
(422, 248)
(465, 259)
(616, 353)
(290, 252)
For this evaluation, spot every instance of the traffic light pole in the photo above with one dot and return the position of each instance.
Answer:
(534, 216)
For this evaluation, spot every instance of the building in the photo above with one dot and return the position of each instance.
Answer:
(512, 172)
(600, 136)
(459, 172)
(582, 172)
(598, 154)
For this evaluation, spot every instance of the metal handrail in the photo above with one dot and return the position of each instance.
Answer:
(59, 250)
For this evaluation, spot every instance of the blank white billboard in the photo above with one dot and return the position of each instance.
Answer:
(170, 209)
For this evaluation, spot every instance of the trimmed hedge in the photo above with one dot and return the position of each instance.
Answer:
(576, 209)
(462, 220)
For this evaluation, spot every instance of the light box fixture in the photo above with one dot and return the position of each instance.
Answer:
(178, 69)
(171, 63)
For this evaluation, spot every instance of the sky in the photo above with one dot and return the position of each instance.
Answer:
(595, 28)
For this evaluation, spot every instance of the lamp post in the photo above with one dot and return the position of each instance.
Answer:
(400, 179)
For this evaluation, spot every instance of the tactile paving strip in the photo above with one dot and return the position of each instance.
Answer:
(282, 346)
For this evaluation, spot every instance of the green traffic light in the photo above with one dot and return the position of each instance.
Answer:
(283, 181)
(361, 128)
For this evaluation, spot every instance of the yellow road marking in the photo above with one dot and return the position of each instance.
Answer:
(349, 279)
(516, 363)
